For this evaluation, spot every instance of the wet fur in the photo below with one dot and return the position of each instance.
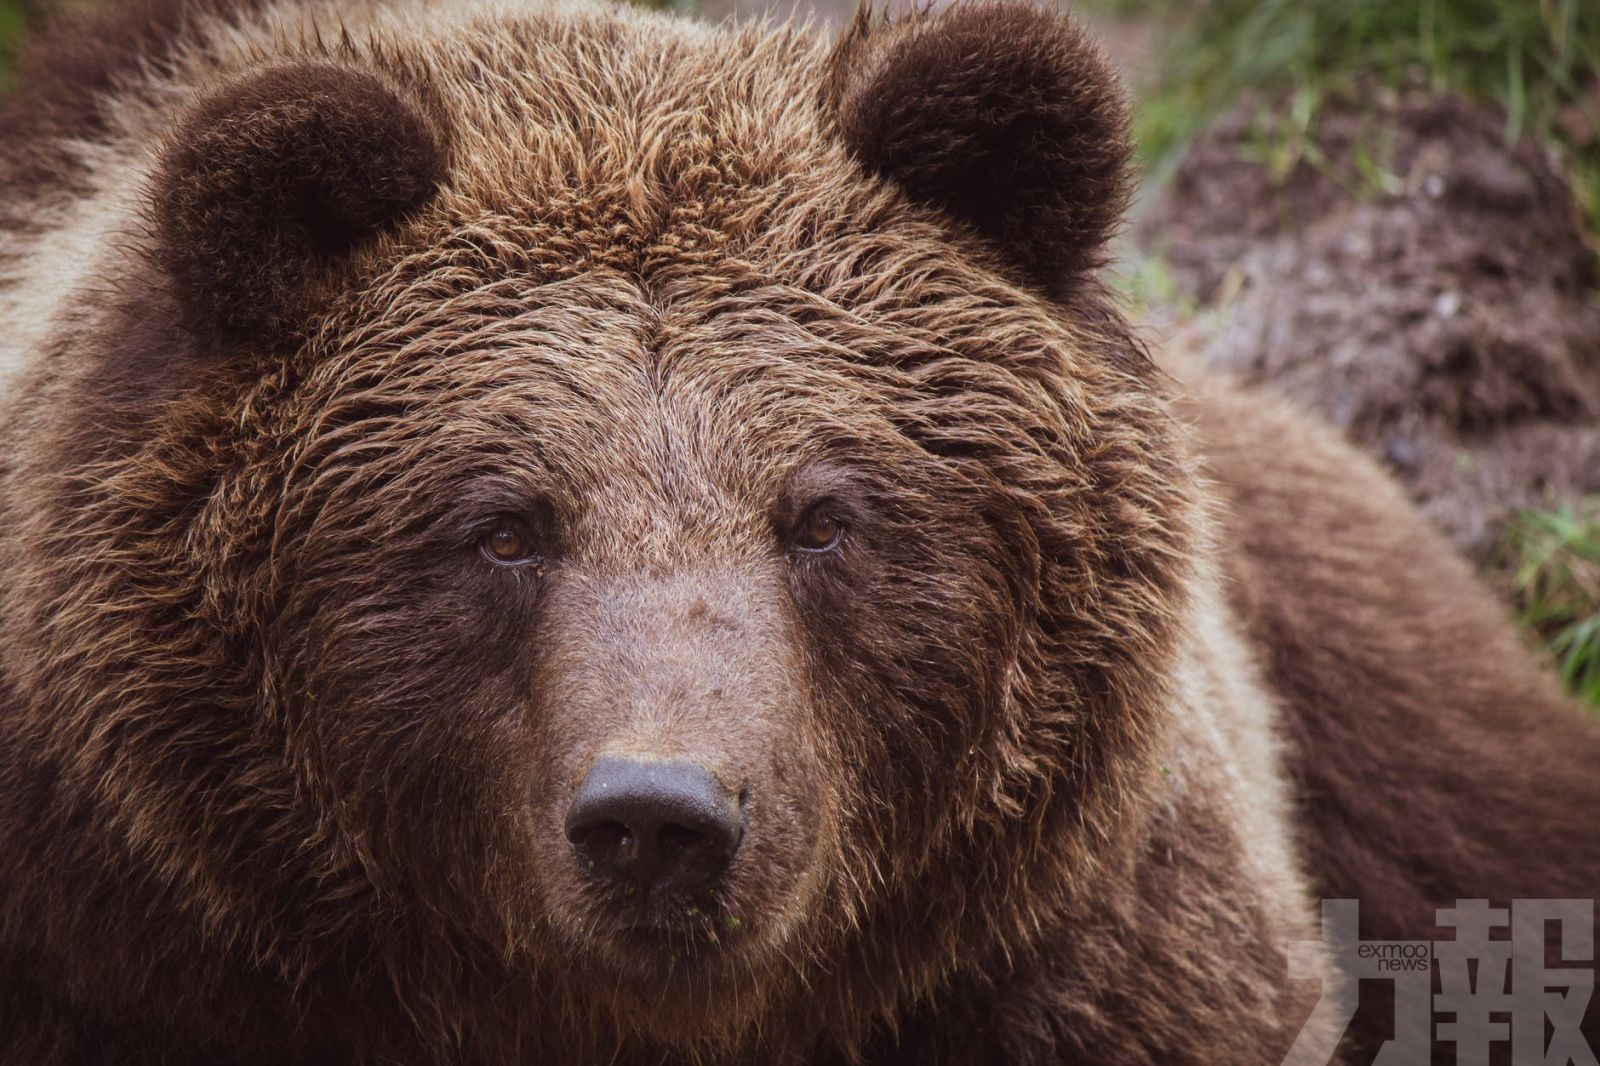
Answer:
(1049, 761)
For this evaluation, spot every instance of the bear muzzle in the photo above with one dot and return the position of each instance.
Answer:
(685, 813)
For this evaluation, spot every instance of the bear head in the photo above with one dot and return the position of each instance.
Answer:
(580, 524)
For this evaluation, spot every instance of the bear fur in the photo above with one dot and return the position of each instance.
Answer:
(1111, 674)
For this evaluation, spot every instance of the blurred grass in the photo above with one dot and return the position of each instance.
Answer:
(1554, 561)
(1538, 59)
(11, 21)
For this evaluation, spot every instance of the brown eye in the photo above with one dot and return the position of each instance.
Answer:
(508, 542)
(820, 530)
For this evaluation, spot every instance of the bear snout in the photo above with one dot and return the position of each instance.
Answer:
(655, 823)
(687, 818)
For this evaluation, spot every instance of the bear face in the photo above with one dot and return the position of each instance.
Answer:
(587, 390)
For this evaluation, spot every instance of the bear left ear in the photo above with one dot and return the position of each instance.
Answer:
(271, 181)
(1006, 116)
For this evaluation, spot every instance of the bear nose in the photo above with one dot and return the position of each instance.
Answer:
(654, 823)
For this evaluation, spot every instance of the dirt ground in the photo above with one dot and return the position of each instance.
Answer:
(1412, 279)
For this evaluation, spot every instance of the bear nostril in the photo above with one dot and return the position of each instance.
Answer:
(676, 838)
(596, 842)
(666, 823)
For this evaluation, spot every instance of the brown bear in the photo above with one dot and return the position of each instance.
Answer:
(545, 533)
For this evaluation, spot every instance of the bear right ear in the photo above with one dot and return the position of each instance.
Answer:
(271, 180)
(1005, 116)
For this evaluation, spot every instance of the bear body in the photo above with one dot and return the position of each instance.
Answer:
(427, 421)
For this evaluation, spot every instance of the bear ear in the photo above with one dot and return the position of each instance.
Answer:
(271, 180)
(1006, 116)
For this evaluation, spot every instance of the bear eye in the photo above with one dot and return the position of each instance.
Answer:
(819, 529)
(508, 542)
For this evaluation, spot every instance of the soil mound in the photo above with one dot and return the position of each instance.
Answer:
(1413, 278)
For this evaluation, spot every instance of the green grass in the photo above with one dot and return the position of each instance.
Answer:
(10, 32)
(1539, 59)
(1554, 562)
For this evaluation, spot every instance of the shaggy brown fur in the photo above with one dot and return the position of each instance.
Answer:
(1481, 764)
(287, 755)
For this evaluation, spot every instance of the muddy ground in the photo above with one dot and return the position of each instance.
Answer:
(1412, 278)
